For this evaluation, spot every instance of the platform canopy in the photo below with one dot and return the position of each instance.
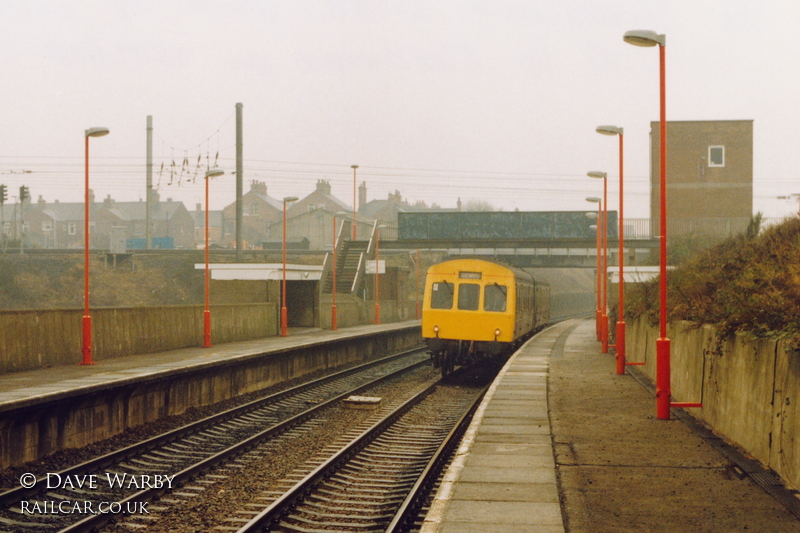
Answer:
(261, 271)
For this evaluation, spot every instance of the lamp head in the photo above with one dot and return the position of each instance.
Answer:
(608, 130)
(354, 167)
(214, 172)
(596, 174)
(593, 199)
(290, 199)
(644, 38)
(592, 215)
(96, 132)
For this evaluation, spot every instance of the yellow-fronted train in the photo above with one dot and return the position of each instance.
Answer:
(475, 309)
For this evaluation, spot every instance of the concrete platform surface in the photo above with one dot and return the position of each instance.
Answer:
(561, 444)
(503, 478)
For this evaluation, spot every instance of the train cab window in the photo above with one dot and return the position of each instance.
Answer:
(494, 298)
(442, 295)
(468, 296)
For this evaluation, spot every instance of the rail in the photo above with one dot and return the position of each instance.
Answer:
(208, 461)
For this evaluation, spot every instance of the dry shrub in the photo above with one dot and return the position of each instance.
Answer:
(748, 284)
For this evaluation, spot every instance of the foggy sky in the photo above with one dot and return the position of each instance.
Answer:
(493, 101)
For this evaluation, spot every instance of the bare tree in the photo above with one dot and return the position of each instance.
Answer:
(478, 205)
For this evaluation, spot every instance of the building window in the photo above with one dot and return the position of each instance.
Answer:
(71, 228)
(47, 226)
(252, 209)
(716, 156)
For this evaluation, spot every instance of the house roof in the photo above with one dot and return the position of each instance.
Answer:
(123, 210)
(138, 210)
(277, 204)
(61, 211)
(332, 199)
(214, 218)
(375, 207)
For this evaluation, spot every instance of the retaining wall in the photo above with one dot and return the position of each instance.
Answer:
(38, 339)
(750, 388)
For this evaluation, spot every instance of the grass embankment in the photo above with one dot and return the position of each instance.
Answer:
(42, 282)
(748, 283)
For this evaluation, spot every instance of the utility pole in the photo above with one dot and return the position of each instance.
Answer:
(239, 170)
(24, 194)
(3, 198)
(148, 217)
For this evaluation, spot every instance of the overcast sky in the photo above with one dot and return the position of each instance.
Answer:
(494, 100)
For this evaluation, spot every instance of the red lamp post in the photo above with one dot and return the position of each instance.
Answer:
(620, 336)
(604, 236)
(663, 381)
(207, 310)
(284, 312)
(87, 318)
(355, 205)
(598, 231)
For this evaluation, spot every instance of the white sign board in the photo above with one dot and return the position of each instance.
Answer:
(381, 267)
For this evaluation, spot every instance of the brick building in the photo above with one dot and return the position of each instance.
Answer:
(709, 176)
(259, 211)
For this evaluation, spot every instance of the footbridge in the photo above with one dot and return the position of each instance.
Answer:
(526, 239)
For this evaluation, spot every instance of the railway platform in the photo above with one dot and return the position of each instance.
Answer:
(23, 388)
(46, 410)
(503, 477)
(561, 444)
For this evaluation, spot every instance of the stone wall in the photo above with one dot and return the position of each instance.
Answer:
(750, 388)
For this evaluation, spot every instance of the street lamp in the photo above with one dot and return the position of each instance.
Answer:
(604, 307)
(598, 231)
(663, 392)
(207, 310)
(284, 313)
(620, 336)
(377, 272)
(87, 318)
(355, 208)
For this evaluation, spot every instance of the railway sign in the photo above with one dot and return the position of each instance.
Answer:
(381, 267)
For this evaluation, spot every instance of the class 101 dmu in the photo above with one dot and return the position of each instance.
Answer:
(475, 309)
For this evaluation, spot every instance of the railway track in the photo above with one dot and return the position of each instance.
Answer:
(103, 490)
(379, 479)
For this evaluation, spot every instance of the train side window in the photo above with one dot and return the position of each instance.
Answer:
(468, 296)
(494, 298)
(442, 295)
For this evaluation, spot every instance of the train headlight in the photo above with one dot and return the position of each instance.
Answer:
(496, 333)
(436, 330)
